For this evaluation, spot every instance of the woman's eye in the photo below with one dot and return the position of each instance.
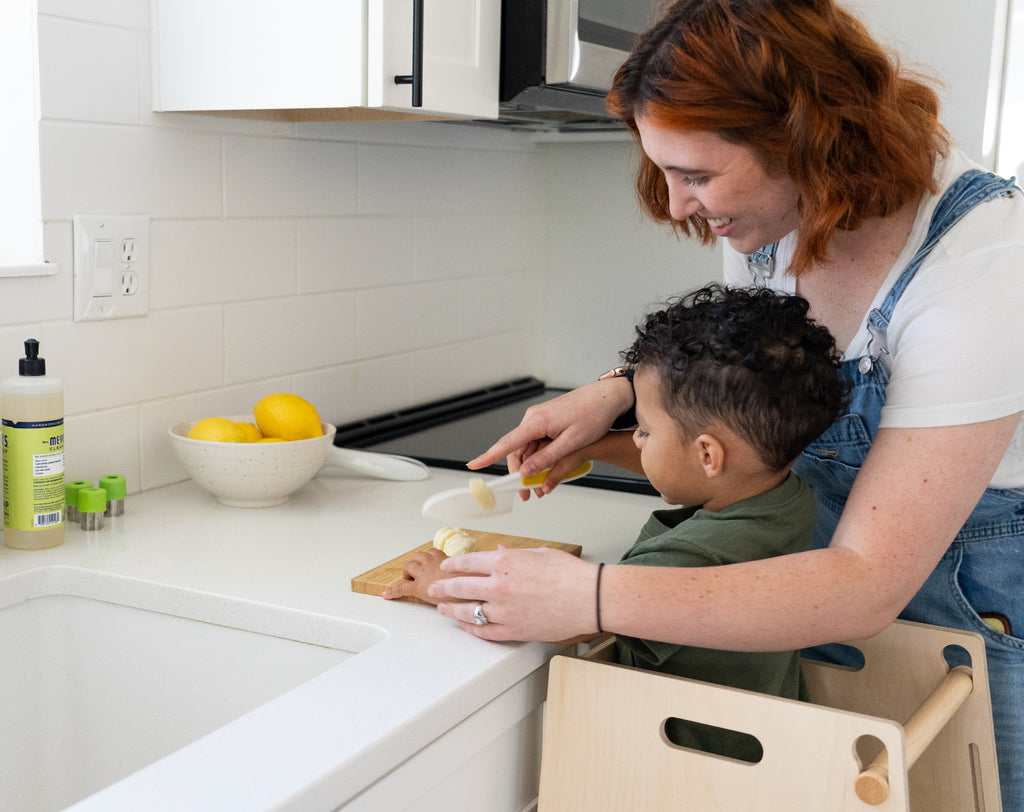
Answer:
(695, 181)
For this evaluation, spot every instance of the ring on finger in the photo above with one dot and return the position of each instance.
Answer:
(479, 618)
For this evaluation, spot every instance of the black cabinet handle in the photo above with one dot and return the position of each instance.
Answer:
(416, 79)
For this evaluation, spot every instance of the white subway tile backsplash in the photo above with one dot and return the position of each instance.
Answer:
(98, 169)
(423, 134)
(362, 389)
(205, 261)
(407, 318)
(347, 253)
(114, 363)
(496, 304)
(274, 177)
(278, 336)
(464, 245)
(409, 180)
(102, 443)
(88, 72)
(466, 365)
(501, 181)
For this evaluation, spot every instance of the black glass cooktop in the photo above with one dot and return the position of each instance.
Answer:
(447, 432)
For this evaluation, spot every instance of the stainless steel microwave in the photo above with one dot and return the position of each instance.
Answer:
(558, 58)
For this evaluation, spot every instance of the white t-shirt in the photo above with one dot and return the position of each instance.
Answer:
(956, 337)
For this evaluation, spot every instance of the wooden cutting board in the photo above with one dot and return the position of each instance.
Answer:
(376, 580)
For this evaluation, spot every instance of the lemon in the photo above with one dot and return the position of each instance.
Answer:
(271, 440)
(217, 430)
(252, 434)
(287, 417)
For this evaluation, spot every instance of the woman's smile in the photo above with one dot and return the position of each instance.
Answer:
(722, 183)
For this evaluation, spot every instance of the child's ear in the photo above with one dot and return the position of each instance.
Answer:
(711, 454)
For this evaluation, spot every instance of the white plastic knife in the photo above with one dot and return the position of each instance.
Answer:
(459, 504)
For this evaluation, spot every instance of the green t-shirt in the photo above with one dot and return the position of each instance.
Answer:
(777, 522)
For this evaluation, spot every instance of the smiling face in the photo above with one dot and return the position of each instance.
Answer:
(723, 183)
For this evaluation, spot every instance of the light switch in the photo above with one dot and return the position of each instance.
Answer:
(111, 266)
(103, 271)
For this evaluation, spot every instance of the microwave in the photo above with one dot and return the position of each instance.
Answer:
(558, 58)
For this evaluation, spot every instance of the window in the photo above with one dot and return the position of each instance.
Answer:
(1011, 131)
(21, 227)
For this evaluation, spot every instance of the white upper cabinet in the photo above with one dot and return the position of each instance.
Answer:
(327, 54)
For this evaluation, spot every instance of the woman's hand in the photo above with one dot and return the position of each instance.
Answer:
(511, 583)
(551, 430)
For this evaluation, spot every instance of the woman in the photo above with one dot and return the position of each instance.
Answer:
(785, 129)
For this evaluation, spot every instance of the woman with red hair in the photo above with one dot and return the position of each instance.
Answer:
(782, 128)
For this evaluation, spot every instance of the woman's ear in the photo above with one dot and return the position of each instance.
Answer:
(711, 454)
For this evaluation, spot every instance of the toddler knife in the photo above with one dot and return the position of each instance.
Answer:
(485, 498)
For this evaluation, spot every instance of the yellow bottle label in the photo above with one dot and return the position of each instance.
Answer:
(33, 474)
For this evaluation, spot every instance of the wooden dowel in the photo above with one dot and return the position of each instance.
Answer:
(920, 730)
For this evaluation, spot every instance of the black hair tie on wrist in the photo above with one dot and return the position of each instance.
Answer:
(598, 594)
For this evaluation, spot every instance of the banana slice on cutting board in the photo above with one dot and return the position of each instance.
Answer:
(454, 541)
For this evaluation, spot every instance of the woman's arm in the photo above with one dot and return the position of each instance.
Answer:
(916, 489)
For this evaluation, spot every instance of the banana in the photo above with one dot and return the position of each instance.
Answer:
(482, 494)
(453, 541)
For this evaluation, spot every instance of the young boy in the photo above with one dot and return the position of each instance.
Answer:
(731, 385)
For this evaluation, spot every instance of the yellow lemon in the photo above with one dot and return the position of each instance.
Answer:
(271, 440)
(287, 417)
(252, 434)
(217, 430)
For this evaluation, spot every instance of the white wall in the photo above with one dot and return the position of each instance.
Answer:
(363, 266)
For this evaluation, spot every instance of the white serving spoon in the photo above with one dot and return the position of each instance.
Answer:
(459, 504)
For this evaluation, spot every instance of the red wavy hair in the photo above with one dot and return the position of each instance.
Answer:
(804, 85)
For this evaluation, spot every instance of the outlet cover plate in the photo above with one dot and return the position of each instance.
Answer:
(111, 257)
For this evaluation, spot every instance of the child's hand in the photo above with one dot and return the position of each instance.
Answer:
(419, 573)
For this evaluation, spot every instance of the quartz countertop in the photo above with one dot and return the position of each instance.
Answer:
(324, 742)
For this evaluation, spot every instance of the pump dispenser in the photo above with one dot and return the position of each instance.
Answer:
(32, 414)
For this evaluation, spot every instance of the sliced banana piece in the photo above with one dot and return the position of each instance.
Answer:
(483, 495)
(454, 541)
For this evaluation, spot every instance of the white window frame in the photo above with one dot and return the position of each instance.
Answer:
(1011, 129)
(21, 224)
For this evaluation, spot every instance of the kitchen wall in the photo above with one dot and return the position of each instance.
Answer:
(363, 266)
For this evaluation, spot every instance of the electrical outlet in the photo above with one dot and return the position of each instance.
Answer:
(111, 266)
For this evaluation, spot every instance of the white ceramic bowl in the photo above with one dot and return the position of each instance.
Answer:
(251, 474)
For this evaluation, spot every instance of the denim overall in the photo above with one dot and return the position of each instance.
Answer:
(983, 569)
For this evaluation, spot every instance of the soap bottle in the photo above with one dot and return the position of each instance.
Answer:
(32, 413)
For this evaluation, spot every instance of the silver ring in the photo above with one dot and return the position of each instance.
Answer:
(479, 618)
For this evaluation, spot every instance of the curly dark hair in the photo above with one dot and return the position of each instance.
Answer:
(752, 360)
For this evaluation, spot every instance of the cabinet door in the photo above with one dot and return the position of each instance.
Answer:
(461, 44)
(240, 55)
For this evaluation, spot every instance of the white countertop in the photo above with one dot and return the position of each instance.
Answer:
(324, 742)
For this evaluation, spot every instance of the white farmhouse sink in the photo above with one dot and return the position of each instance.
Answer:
(102, 675)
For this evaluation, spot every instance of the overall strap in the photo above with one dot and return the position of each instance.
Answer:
(969, 190)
